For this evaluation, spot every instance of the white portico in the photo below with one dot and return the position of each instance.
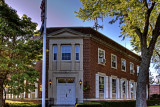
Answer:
(65, 67)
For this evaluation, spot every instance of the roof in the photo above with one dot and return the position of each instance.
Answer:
(91, 31)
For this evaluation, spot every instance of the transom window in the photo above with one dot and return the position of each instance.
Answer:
(101, 56)
(54, 52)
(137, 70)
(123, 64)
(66, 52)
(77, 50)
(131, 68)
(113, 61)
(101, 84)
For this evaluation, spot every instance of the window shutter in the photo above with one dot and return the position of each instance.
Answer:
(97, 85)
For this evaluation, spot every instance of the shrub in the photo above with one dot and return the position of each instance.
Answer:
(89, 104)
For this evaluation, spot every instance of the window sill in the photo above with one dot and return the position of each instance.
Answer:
(114, 67)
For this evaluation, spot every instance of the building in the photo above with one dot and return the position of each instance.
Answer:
(85, 65)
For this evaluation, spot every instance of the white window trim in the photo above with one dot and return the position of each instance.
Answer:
(98, 56)
(61, 53)
(138, 70)
(75, 53)
(121, 65)
(53, 51)
(111, 61)
(130, 68)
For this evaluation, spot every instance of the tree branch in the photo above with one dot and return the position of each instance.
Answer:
(155, 34)
(145, 3)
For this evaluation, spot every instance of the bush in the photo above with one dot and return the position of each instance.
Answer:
(89, 104)
(116, 103)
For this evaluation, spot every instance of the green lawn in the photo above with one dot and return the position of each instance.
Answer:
(154, 106)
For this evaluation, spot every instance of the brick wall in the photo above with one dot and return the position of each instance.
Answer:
(91, 66)
(154, 89)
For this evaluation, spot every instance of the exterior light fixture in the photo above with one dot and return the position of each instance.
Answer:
(80, 82)
(50, 82)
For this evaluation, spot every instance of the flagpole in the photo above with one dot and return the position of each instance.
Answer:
(44, 57)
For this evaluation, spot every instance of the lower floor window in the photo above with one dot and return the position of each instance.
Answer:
(101, 84)
(113, 85)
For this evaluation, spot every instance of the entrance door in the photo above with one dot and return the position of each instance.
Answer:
(65, 91)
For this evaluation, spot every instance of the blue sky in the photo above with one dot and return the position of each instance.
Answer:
(60, 13)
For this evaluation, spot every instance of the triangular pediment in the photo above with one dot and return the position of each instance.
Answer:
(66, 33)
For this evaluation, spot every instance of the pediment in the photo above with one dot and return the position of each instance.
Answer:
(66, 33)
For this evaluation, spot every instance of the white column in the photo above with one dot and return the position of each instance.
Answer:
(146, 91)
(106, 87)
(117, 89)
(130, 89)
(51, 57)
(36, 90)
(134, 90)
(81, 56)
(58, 56)
(126, 89)
(121, 81)
(110, 87)
(73, 56)
(97, 85)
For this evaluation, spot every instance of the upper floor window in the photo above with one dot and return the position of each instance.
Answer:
(123, 64)
(77, 50)
(113, 61)
(66, 52)
(101, 56)
(131, 68)
(101, 84)
(137, 70)
(54, 52)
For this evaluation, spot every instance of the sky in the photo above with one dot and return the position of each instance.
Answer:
(60, 13)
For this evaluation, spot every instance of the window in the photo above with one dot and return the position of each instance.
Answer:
(77, 50)
(113, 61)
(101, 84)
(66, 52)
(124, 87)
(132, 89)
(101, 56)
(123, 64)
(137, 70)
(114, 86)
(55, 52)
(131, 68)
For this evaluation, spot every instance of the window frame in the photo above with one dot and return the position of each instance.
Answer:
(101, 84)
(132, 69)
(115, 59)
(121, 64)
(99, 49)
(78, 53)
(70, 53)
(54, 52)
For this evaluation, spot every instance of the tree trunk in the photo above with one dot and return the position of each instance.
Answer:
(1, 95)
(143, 81)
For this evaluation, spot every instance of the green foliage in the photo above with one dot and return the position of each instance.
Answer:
(89, 104)
(17, 50)
(115, 103)
(132, 17)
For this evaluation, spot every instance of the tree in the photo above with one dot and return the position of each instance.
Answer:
(17, 50)
(139, 20)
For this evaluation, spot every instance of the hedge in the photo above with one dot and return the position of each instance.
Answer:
(115, 103)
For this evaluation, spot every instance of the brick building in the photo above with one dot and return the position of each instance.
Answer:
(85, 65)
(154, 89)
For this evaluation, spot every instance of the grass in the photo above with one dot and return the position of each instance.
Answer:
(12, 102)
(154, 106)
